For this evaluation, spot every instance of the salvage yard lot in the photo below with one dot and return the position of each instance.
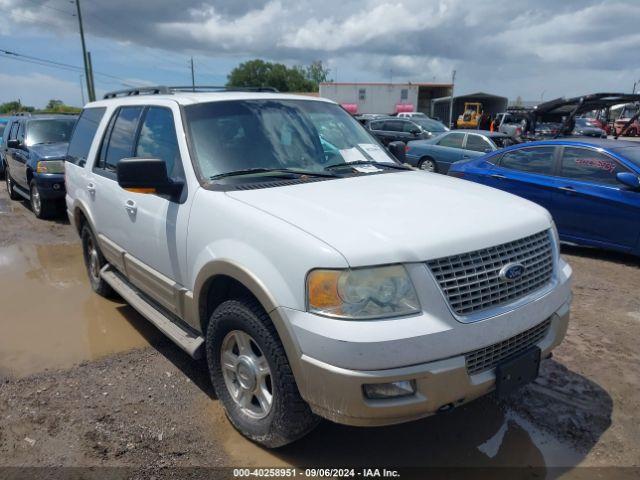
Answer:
(87, 382)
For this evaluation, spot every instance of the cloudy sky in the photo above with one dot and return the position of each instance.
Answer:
(533, 49)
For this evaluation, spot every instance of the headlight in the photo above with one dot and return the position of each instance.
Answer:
(50, 166)
(556, 236)
(362, 293)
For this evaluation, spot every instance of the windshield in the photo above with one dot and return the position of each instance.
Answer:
(430, 125)
(277, 134)
(49, 131)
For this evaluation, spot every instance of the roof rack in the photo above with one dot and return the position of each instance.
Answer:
(165, 90)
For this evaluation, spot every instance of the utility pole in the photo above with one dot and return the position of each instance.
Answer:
(453, 83)
(193, 77)
(93, 87)
(90, 90)
(82, 90)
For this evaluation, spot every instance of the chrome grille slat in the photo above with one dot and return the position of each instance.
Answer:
(471, 281)
(487, 358)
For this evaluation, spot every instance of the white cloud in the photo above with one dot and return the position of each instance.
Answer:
(37, 89)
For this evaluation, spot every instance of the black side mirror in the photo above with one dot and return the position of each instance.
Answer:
(398, 150)
(146, 175)
(13, 143)
(628, 179)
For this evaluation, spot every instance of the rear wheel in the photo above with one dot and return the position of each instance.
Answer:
(94, 261)
(13, 195)
(428, 165)
(252, 377)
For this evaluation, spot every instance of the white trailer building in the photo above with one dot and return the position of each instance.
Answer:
(387, 98)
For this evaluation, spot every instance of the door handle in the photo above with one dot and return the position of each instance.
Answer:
(131, 207)
(91, 188)
(466, 156)
(567, 189)
(498, 176)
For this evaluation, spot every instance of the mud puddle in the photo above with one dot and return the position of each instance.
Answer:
(49, 316)
(481, 434)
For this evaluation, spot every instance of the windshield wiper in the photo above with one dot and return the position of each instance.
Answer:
(285, 173)
(395, 166)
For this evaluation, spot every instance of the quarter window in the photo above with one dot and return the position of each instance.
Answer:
(158, 139)
(533, 160)
(453, 140)
(122, 137)
(83, 134)
(478, 143)
(589, 166)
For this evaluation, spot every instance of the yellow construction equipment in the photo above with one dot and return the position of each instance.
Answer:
(471, 115)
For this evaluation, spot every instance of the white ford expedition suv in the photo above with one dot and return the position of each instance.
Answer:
(319, 276)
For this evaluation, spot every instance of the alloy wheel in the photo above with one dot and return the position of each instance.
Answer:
(246, 374)
(36, 203)
(428, 166)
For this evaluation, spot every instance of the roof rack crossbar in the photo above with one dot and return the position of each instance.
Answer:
(165, 90)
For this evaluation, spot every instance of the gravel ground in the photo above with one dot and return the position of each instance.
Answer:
(148, 406)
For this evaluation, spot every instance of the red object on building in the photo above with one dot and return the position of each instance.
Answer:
(404, 107)
(352, 108)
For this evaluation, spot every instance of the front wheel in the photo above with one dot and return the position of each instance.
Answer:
(252, 376)
(41, 208)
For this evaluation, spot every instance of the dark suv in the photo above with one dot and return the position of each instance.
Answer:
(34, 150)
(394, 129)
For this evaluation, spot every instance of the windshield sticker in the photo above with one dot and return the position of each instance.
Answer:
(350, 155)
(595, 163)
(375, 152)
(367, 169)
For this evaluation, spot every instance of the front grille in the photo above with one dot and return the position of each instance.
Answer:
(471, 281)
(488, 358)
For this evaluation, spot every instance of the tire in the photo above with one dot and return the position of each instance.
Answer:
(428, 164)
(41, 208)
(287, 417)
(94, 261)
(13, 195)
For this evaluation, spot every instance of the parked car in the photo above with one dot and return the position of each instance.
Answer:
(511, 123)
(393, 129)
(34, 149)
(3, 124)
(289, 259)
(412, 115)
(591, 187)
(586, 128)
(437, 154)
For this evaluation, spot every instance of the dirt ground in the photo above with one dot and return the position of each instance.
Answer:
(86, 382)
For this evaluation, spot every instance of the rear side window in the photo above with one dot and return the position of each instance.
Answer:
(158, 139)
(83, 134)
(477, 143)
(121, 138)
(453, 140)
(393, 126)
(589, 166)
(532, 160)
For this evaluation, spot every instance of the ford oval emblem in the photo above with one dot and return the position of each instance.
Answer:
(511, 272)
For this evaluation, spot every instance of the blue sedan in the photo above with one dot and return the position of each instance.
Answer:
(591, 187)
(438, 153)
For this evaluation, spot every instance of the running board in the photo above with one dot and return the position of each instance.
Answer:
(186, 340)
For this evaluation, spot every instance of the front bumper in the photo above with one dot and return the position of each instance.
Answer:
(331, 366)
(50, 185)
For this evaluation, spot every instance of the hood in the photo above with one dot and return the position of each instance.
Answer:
(400, 217)
(50, 150)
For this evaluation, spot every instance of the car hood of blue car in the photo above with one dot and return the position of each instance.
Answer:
(44, 151)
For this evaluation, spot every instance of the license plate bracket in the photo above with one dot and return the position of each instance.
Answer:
(517, 372)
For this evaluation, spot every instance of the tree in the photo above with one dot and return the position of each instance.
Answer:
(54, 104)
(13, 107)
(317, 73)
(58, 106)
(258, 73)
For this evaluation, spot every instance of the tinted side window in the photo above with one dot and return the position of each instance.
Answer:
(408, 127)
(477, 143)
(158, 139)
(83, 134)
(589, 166)
(376, 125)
(533, 160)
(452, 140)
(393, 126)
(13, 134)
(21, 132)
(122, 137)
